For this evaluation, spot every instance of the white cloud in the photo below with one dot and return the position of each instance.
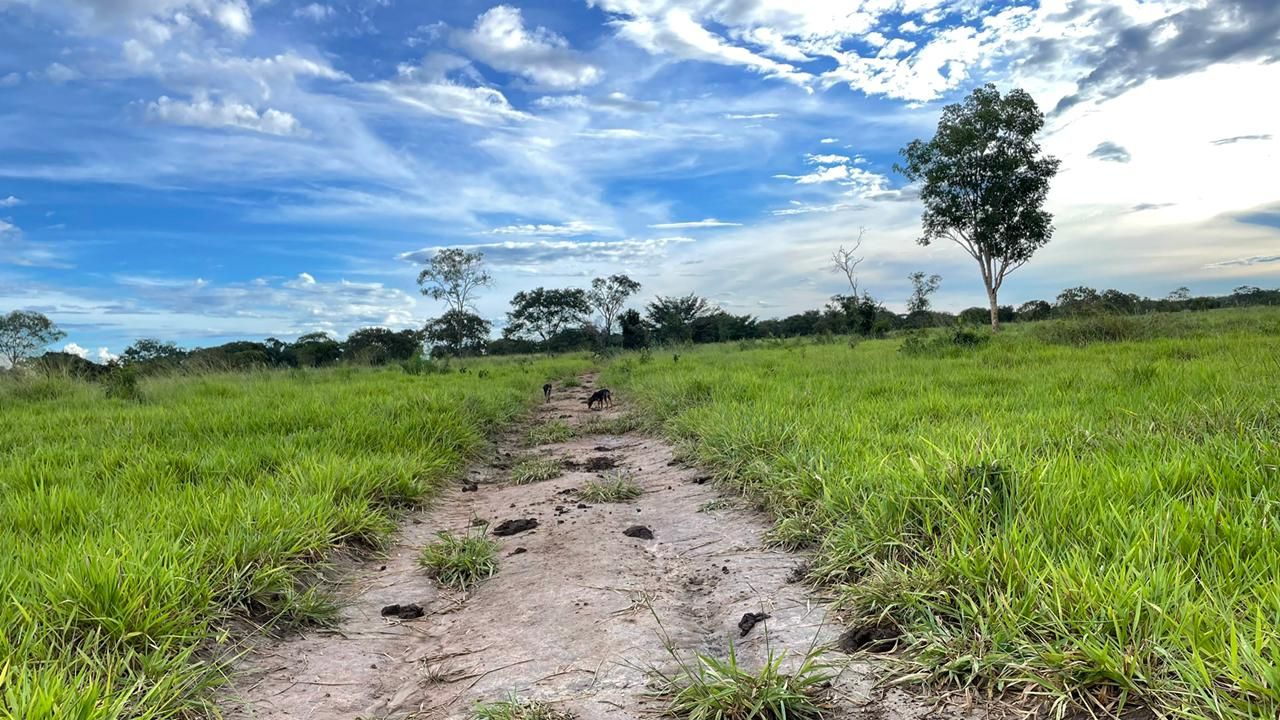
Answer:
(314, 12)
(101, 355)
(834, 173)
(692, 224)
(428, 89)
(136, 53)
(829, 141)
(752, 116)
(500, 40)
(59, 73)
(827, 159)
(10, 201)
(203, 111)
(10, 80)
(569, 229)
(554, 254)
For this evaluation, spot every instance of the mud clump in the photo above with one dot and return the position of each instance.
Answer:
(750, 620)
(411, 611)
(511, 527)
(601, 463)
(870, 638)
(518, 551)
(470, 487)
(638, 531)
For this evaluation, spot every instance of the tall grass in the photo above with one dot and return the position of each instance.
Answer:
(133, 527)
(1072, 512)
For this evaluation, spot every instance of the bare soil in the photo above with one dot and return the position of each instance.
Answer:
(579, 608)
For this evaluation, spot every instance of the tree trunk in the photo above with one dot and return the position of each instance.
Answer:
(995, 308)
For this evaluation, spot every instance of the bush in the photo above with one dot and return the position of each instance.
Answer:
(920, 343)
(122, 384)
(1093, 329)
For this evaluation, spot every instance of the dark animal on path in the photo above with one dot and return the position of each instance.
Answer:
(546, 392)
(601, 397)
(675, 358)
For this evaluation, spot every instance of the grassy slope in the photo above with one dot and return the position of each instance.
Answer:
(131, 530)
(1090, 520)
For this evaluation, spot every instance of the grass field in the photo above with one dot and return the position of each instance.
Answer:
(1089, 509)
(133, 530)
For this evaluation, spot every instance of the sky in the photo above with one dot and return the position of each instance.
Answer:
(206, 170)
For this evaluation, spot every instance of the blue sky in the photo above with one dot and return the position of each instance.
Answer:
(201, 170)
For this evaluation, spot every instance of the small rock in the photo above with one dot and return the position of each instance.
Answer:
(638, 531)
(470, 487)
(519, 551)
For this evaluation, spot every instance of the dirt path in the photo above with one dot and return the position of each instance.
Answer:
(569, 617)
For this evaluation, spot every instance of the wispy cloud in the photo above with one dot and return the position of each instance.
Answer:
(569, 229)
(691, 224)
(1240, 138)
(1111, 152)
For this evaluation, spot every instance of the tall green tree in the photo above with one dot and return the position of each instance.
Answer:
(23, 332)
(673, 317)
(607, 296)
(454, 275)
(457, 333)
(542, 313)
(150, 351)
(983, 182)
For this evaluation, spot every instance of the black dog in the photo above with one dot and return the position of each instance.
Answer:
(601, 397)
(546, 392)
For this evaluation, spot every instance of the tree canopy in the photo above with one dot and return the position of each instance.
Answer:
(543, 312)
(607, 296)
(24, 332)
(983, 182)
(454, 275)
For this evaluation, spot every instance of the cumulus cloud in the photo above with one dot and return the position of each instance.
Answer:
(1111, 152)
(694, 224)
(9, 202)
(500, 40)
(203, 111)
(101, 355)
(299, 304)
(10, 79)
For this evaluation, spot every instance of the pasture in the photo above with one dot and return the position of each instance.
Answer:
(1084, 510)
(135, 531)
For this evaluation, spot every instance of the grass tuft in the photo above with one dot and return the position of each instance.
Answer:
(460, 562)
(517, 709)
(550, 433)
(709, 688)
(532, 470)
(616, 487)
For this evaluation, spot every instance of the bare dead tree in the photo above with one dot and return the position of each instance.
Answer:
(846, 260)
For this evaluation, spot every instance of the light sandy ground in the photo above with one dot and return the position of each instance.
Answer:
(573, 619)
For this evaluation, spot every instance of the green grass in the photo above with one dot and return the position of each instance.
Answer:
(532, 470)
(616, 487)
(1086, 510)
(710, 688)
(133, 527)
(556, 431)
(460, 562)
(518, 709)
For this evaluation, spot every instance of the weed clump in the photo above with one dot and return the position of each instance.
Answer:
(122, 384)
(710, 688)
(549, 434)
(920, 343)
(532, 470)
(616, 487)
(460, 562)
